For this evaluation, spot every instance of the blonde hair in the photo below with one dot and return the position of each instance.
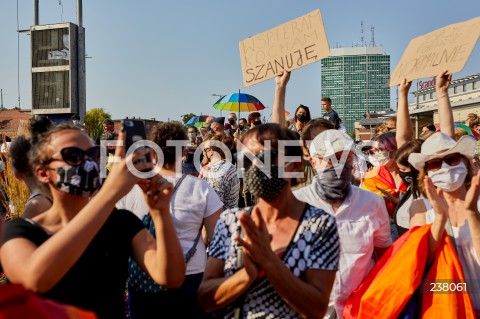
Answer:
(392, 119)
(381, 128)
(459, 132)
(473, 120)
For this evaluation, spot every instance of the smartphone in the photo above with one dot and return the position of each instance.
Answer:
(135, 131)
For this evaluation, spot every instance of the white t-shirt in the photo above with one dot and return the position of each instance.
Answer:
(193, 201)
(362, 222)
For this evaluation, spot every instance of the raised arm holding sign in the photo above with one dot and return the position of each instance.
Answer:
(447, 48)
(287, 47)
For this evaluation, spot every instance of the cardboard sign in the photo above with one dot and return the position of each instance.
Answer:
(447, 48)
(289, 46)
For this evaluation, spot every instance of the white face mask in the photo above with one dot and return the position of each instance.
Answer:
(449, 178)
(379, 159)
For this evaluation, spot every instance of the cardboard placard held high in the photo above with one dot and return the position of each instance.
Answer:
(447, 48)
(288, 46)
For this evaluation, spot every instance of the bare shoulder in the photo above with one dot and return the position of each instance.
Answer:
(418, 206)
(418, 212)
(36, 206)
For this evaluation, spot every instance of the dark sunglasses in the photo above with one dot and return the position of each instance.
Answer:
(76, 156)
(247, 162)
(436, 163)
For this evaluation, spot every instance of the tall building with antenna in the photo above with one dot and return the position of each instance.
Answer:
(355, 80)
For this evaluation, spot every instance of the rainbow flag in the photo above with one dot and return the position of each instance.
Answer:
(392, 282)
(380, 177)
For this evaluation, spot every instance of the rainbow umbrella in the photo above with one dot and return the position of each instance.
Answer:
(198, 121)
(239, 102)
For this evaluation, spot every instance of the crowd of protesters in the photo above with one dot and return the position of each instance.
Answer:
(244, 219)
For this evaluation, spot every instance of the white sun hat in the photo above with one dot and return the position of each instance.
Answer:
(439, 145)
(330, 142)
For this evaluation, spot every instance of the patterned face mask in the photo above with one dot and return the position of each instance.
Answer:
(262, 186)
(80, 180)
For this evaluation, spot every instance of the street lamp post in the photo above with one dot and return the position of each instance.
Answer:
(1, 98)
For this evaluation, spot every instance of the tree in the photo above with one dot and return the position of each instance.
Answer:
(187, 117)
(93, 121)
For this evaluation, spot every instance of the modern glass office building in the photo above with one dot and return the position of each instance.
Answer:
(355, 78)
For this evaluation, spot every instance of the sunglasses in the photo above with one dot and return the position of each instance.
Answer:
(373, 151)
(75, 156)
(258, 159)
(436, 164)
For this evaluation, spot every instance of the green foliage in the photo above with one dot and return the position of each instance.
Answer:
(93, 121)
(187, 117)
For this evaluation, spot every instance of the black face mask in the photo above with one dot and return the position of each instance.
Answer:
(241, 127)
(262, 186)
(231, 121)
(302, 118)
(257, 122)
(407, 177)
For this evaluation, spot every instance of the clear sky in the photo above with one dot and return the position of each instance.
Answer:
(161, 59)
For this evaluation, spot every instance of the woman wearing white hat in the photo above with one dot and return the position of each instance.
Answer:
(447, 178)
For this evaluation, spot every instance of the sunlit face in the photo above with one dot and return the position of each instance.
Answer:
(208, 121)
(107, 127)
(376, 148)
(301, 111)
(321, 162)
(61, 140)
(257, 120)
(232, 117)
(217, 128)
(390, 125)
(325, 105)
